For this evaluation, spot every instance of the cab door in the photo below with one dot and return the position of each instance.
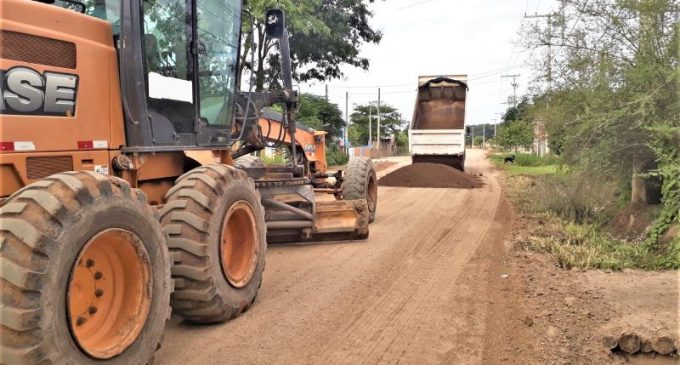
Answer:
(190, 56)
(218, 27)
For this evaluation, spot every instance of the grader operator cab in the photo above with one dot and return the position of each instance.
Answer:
(120, 123)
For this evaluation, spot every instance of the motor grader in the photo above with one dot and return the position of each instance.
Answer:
(121, 121)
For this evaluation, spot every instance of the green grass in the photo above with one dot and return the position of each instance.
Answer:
(526, 164)
(530, 170)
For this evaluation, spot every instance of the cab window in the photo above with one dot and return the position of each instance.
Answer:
(218, 33)
(167, 61)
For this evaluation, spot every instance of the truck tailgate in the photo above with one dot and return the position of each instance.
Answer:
(437, 141)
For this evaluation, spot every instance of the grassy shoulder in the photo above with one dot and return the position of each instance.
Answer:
(525, 164)
(570, 215)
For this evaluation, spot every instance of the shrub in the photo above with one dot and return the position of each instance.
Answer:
(335, 156)
(587, 246)
(575, 197)
(526, 159)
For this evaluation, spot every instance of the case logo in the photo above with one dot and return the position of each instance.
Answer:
(27, 92)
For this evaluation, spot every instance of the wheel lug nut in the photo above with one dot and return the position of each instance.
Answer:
(98, 275)
(92, 310)
(80, 321)
(89, 263)
(98, 293)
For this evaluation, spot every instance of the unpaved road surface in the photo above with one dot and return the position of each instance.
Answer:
(427, 287)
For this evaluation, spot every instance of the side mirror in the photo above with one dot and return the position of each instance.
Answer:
(275, 23)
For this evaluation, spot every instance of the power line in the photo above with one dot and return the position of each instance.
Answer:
(412, 5)
(370, 87)
(514, 88)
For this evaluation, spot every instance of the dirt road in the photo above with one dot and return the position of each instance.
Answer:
(423, 288)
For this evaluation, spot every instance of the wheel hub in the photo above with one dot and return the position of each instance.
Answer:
(240, 244)
(109, 295)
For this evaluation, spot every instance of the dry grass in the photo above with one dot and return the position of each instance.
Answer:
(565, 215)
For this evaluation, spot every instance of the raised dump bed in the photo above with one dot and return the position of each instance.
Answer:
(437, 131)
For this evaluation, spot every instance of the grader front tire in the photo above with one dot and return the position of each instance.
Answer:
(360, 182)
(85, 274)
(217, 235)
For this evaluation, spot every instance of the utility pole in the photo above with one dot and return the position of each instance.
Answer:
(514, 85)
(378, 131)
(346, 136)
(549, 16)
(472, 136)
(483, 134)
(326, 92)
(370, 126)
(500, 120)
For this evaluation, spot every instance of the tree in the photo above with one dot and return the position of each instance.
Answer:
(515, 134)
(316, 112)
(324, 35)
(390, 123)
(616, 82)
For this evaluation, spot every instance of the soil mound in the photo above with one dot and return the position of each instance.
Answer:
(430, 175)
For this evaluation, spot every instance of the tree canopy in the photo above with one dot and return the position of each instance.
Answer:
(324, 35)
(614, 106)
(391, 123)
(316, 112)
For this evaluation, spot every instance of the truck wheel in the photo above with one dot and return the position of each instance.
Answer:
(85, 273)
(360, 182)
(217, 235)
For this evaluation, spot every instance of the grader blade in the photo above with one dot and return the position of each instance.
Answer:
(341, 220)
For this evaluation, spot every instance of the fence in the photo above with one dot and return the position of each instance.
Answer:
(375, 152)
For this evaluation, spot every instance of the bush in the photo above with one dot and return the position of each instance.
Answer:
(526, 159)
(587, 246)
(335, 156)
(276, 159)
(575, 197)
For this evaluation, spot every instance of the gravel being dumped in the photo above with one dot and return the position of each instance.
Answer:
(430, 175)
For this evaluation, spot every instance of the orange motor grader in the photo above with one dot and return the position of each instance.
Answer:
(351, 187)
(120, 123)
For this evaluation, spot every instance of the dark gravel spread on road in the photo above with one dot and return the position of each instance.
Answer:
(430, 175)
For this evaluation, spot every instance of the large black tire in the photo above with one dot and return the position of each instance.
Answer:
(360, 182)
(43, 229)
(193, 217)
(248, 161)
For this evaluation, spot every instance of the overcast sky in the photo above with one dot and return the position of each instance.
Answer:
(442, 37)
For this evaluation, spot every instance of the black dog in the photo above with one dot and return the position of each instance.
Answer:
(510, 159)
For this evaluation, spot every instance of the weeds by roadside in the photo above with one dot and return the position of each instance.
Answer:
(567, 216)
(588, 246)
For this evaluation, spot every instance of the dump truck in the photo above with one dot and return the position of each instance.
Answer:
(119, 193)
(437, 130)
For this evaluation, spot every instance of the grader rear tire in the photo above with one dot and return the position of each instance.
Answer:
(360, 182)
(217, 235)
(85, 273)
